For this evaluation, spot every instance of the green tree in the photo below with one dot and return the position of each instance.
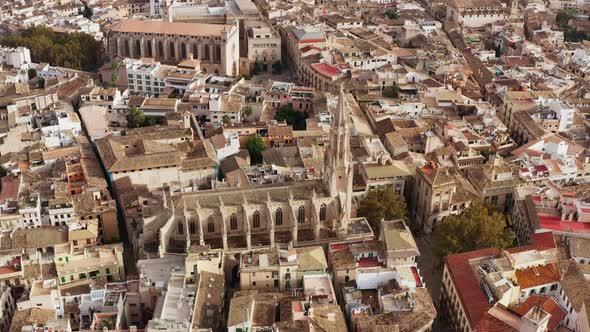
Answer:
(477, 227)
(135, 118)
(3, 171)
(288, 114)
(226, 120)
(76, 50)
(255, 146)
(115, 76)
(41, 83)
(392, 91)
(391, 14)
(382, 204)
(32, 73)
(247, 110)
(87, 13)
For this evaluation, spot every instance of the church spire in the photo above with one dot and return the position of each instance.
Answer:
(338, 167)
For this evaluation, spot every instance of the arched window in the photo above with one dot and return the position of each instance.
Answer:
(323, 212)
(180, 228)
(137, 48)
(217, 53)
(160, 49)
(206, 57)
(233, 222)
(149, 49)
(127, 51)
(192, 227)
(301, 214)
(172, 50)
(279, 217)
(211, 225)
(183, 50)
(256, 219)
(195, 51)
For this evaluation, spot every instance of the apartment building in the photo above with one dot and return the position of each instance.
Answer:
(278, 268)
(90, 263)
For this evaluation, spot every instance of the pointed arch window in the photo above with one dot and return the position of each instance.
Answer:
(192, 227)
(279, 217)
(233, 222)
(180, 228)
(211, 225)
(301, 215)
(256, 219)
(323, 209)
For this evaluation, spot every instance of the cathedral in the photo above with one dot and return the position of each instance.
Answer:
(295, 213)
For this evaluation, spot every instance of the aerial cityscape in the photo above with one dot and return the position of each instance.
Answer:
(295, 165)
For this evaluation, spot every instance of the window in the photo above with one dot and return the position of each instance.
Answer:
(279, 217)
(323, 212)
(233, 222)
(256, 219)
(210, 226)
(192, 227)
(554, 287)
(542, 291)
(180, 228)
(301, 215)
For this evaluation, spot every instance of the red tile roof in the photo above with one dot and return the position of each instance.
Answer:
(417, 277)
(537, 275)
(544, 241)
(555, 224)
(546, 303)
(472, 298)
(325, 69)
(9, 189)
(368, 262)
(489, 323)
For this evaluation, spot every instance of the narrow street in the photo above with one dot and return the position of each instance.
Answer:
(431, 268)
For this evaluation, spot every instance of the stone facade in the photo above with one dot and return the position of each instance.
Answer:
(215, 45)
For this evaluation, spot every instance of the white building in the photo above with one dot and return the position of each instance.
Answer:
(7, 306)
(145, 76)
(226, 144)
(59, 128)
(174, 310)
(16, 57)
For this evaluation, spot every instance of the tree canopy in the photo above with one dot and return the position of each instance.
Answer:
(391, 14)
(292, 117)
(382, 204)
(392, 91)
(477, 227)
(79, 51)
(255, 146)
(570, 33)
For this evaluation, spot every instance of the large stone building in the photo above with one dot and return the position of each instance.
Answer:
(215, 45)
(300, 213)
(475, 13)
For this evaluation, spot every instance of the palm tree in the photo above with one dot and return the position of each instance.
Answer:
(225, 119)
(247, 110)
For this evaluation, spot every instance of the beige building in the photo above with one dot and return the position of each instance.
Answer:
(264, 44)
(95, 262)
(438, 192)
(158, 156)
(280, 269)
(304, 213)
(216, 45)
(495, 182)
